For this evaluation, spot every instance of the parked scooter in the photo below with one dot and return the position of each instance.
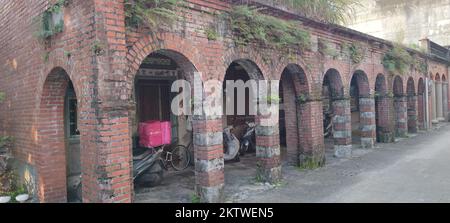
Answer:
(248, 141)
(148, 167)
(231, 145)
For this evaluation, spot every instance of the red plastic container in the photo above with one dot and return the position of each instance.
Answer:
(154, 133)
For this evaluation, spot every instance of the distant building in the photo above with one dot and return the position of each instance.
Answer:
(406, 21)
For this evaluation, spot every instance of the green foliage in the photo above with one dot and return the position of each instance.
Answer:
(151, 13)
(47, 28)
(46, 57)
(211, 33)
(67, 54)
(2, 96)
(252, 27)
(97, 48)
(356, 52)
(195, 199)
(397, 60)
(330, 11)
(273, 99)
(326, 48)
(302, 98)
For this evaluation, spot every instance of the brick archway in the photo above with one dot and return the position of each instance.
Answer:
(337, 114)
(303, 134)
(401, 108)
(51, 162)
(382, 110)
(363, 110)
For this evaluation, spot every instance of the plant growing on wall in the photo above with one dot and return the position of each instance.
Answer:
(356, 52)
(51, 21)
(397, 60)
(7, 181)
(252, 27)
(151, 13)
(327, 48)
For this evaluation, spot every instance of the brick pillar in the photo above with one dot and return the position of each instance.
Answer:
(268, 152)
(439, 107)
(384, 129)
(433, 102)
(367, 122)
(342, 128)
(311, 143)
(445, 100)
(401, 116)
(209, 162)
(412, 113)
(421, 111)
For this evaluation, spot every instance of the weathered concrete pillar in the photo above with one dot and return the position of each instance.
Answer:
(342, 128)
(445, 100)
(367, 122)
(268, 151)
(401, 110)
(439, 107)
(209, 162)
(412, 113)
(312, 145)
(433, 103)
(384, 130)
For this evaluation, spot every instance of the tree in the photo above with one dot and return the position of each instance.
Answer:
(329, 11)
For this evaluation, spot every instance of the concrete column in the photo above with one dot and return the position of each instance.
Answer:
(412, 114)
(209, 162)
(433, 102)
(401, 110)
(268, 152)
(312, 146)
(439, 107)
(342, 128)
(445, 100)
(367, 122)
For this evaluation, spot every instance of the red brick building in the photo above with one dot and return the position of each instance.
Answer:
(80, 93)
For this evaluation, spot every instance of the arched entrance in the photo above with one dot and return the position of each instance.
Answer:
(439, 98)
(412, 106)
(154, 94)
(445, 102)
(336, 115)
(382, 107)
(400, 106)
(294, 93)
(362, 111)
(59, 165)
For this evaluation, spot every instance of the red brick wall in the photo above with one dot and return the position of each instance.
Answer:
(104, 83)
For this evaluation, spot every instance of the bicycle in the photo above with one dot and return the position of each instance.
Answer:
(178, 157)
(186, 152)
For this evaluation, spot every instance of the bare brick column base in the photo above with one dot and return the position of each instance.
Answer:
(268, 154)
(312, 146)
(401, 110)
(209, 163)
(342, 132)
(384, 129)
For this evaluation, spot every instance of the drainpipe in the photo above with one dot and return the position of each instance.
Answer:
(427, 106)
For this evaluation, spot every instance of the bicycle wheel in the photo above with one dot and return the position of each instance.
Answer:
(180, 158)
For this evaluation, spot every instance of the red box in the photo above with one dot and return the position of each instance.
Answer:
(154, 133)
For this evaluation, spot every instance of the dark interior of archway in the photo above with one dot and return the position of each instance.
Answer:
(153, 97)
(73, 153)
(354, 108)
(380, 110)
(234, 73)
